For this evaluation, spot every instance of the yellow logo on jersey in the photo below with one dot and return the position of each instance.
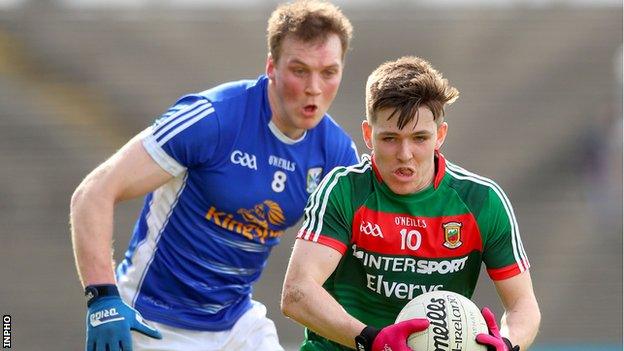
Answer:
(452, 234)
(261, 212)
(257, 220)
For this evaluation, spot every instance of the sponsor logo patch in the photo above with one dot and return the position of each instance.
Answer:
(452, 234)
(244, 159)
(263, 214)
(105, 316)
(282, 163)
(313, 179)
(256, 220)
(369, 228)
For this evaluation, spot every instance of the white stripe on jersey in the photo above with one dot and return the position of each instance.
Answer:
(212, 308)
(174, 112)
(167, 114)
(161, 206)
(245, 246)
(180, 117)
(313, 203)
(226, 269)
(316, 200)
(518, 249)
(168, 163)
(185, 125)
(188, 112)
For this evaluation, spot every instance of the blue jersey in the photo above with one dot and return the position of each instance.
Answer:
(203, 238)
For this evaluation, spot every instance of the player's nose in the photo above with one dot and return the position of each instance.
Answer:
(404, 152)
(313, 85)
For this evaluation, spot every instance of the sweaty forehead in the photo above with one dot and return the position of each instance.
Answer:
(422, 121)
(318, 52)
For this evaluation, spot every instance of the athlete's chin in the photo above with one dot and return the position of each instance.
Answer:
(402, 188)
(305, 122)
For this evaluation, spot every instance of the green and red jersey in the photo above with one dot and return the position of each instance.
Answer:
(396, 247)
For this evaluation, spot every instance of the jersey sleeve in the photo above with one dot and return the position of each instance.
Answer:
(348, 156)
(327, 218)
(185, 136)
(503, 253)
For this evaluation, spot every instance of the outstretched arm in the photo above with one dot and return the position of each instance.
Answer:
(129, 173)
(306, 301)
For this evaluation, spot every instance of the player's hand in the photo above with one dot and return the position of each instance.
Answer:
(494, 341)
(109, 321)
(394, 337)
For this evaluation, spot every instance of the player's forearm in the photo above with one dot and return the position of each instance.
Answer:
(91, 220)
(312, 306)
(521, 323)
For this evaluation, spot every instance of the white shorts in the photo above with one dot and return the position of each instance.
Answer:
(252, 332)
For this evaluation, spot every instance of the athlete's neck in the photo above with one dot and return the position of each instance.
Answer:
(425, 182)
(427, 178)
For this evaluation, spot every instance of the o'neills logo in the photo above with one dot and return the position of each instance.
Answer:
(436, 312)
(257, 218)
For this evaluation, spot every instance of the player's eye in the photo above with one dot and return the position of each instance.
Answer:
(298, 71)
(329, 73)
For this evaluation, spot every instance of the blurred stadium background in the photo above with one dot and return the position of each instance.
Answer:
(540, 111)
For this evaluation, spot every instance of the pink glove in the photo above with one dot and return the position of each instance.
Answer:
(494, 341)
(391, 338)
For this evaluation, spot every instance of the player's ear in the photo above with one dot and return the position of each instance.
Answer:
(441, 135)
(270, 67)
(367, 134)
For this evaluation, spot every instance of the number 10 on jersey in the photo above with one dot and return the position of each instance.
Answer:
(410, 239)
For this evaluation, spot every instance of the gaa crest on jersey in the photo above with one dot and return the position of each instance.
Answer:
(313, 179)
(244, 159)
(452, 234)
(369, 228)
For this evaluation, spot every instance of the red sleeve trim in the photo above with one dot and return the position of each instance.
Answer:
(507, 272)
(324, 240)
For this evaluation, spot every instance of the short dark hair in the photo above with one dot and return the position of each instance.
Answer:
(307, 21)
(405, 85)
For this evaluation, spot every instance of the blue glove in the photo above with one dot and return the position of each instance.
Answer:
(109, 320)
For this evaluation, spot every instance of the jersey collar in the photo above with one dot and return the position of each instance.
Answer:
(440, 168)
(283, 137)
